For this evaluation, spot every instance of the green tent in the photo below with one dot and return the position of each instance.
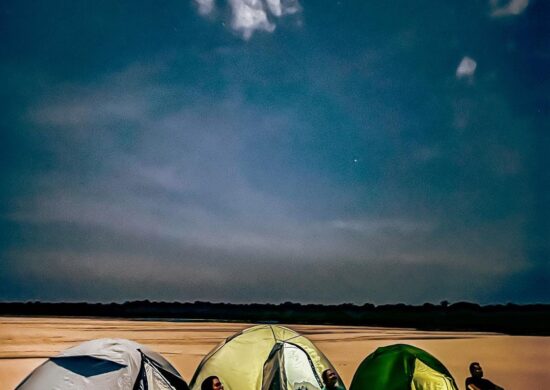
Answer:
(264, 357)
(402, 367)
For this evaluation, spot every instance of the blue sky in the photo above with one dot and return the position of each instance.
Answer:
(267, 150)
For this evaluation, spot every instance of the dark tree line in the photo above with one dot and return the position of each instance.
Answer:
(464, 316)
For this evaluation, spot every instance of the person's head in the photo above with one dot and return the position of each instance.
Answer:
(330, 378)
(475, 370)
(212, 383)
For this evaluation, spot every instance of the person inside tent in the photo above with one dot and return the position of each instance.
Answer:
(331, 380)
(212, 383)
(477, 382)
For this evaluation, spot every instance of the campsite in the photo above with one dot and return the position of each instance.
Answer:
(274, 195)
(513, 362)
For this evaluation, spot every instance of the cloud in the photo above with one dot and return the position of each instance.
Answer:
(372, 226)
(187, 158)
(249, 16)
(205, 6)
(182, 185)
(279, 8)
(275, 7)
(466, 68)
(180, 272)
(121, 96)
(165, 170)
(502, 8)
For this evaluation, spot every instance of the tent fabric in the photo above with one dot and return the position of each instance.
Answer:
(155, 379)
(298, 370)
(402, 367)
(271, 379)
(264, 357)
(426, 378)
(105, 364)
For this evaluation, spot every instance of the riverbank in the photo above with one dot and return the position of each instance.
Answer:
(514, 362)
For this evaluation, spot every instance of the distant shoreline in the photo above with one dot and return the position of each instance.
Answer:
(509, 319)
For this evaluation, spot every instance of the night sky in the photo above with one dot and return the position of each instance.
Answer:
(275, 150)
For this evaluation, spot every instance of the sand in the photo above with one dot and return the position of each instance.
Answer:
(514, 362)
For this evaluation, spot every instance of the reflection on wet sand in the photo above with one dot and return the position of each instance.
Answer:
(515, 362)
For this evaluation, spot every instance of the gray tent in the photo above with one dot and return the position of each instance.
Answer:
(106, 364)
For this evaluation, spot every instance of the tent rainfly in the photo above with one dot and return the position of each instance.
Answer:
(402, 367)
(264, 357)
(106, 364)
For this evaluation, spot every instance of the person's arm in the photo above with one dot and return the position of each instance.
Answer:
(472, 387)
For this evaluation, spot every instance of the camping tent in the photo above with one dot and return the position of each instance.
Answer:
(402, 367)
(264, 357)
(105, 364)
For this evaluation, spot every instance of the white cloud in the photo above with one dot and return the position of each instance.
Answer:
(122, 96)
(466, 68)
(205, 6)
(500, 8)
(279, 8)
(372, 226)
(275, 7)
(249, 16)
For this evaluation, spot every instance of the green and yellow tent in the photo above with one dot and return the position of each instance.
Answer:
(264, 357)
(402, 367)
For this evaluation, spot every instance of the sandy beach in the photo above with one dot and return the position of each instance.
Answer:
(514, 362)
